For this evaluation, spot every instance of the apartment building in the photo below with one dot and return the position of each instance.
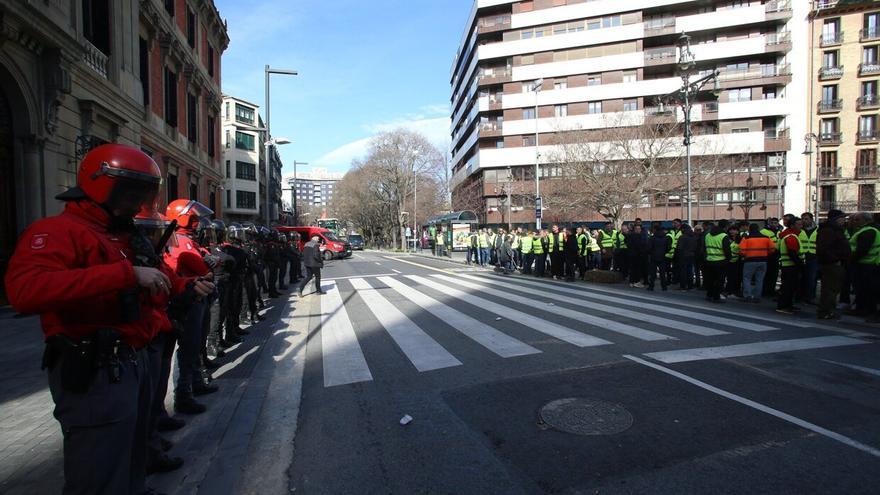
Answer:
(242, 145)
(601, 58)
(314, 190)
(844, 104)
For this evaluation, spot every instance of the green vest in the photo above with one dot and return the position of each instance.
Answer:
(674, 235)
(715, 247)
(607, 239)
(734, 252)
(582, 243)
(808, 241)
(619, 240)
(772, 235)
(492, 238)
(594, 244)
(483, 240)
(873, 256)
(527, 244)
(441, 239)
(515, 243)
(537, 247)
(555, 242)
(784, 259)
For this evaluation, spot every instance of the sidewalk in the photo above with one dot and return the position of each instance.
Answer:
(243, 444)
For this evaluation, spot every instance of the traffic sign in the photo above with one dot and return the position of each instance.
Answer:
(537, 213)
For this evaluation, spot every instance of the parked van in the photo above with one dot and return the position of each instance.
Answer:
(332, 246)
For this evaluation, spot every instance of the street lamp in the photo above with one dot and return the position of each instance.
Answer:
(295, 212)
(268, 144)
(536, 87)
(689, 90)
(267, 72)
(808, 150)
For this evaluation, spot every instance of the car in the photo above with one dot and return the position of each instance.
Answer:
(356, 241)
(332, 246)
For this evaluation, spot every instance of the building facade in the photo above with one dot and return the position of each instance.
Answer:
(242, 156)
(844, 102)
(313, 190)
(602, 59)
(77, 74)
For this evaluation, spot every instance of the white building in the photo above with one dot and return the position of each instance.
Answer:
(601, 58)
(242, 145)
(313, 189)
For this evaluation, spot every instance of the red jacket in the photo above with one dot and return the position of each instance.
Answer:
(70, 270)
(186, 257)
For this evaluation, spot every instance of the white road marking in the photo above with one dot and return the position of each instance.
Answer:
(659, 308)
(605, 323)
(870, 371)
(343, 359)
(423, 351)
(497, 342)
(376, 262)
(395, 271)
(740, 350)
(538, 324)
(358, 276)
(761, 407)
(441, 270)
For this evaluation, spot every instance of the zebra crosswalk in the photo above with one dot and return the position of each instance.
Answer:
(576, 316)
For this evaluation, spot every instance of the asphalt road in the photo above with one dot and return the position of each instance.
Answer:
(675, 395)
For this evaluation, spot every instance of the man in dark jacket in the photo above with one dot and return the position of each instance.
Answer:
(658, 245)
(832, 251)
(570, 254)
(685, 257)
(313, 261)
(636, 255)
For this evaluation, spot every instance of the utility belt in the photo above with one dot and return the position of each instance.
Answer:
(81, 359)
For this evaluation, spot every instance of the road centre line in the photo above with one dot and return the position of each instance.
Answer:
(753, 349)
(761, 407)
(416, 264)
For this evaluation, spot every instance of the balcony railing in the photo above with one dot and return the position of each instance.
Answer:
(96, 59)
(710, 106)
(495, 73)
(661, 110)
(660, 55)
(869, 34)
(830, 138)
(869, 68)
(829, 39)
(867, 136)
(867, 101)
(835, 72)
(490, 126)
(777, 6)
(659, 24)
(867, 172)
(755, 73)
(777, 38)
(776, 133)
(826, 106)
(829, 172)
(490, 22)
(824, 4)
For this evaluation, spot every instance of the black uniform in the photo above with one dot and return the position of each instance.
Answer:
(313, 261)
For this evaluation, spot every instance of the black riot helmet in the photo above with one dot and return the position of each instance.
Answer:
(220, 231)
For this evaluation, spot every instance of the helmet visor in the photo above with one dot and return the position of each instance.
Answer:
(196, 209)
(129, 196)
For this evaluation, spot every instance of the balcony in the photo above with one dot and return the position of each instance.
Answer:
(827, 106)
(838, 205)
(826, 73)
(96, 59)
(868, 68)
(773, 39)
(831, 39)
(867, 172)
(660, 56)
(829, 172)
(830, 138)
(493, 24)
(777, 140)
(778, 9)
(868, 102)
(657, 27)
(495, 76)
(490, 129)
(867, 136)
(869, 34)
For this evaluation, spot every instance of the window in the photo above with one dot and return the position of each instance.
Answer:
(245, 170)
(828, 159)
(246, 200)
(594, 107)
(828, 194)
(869, 55)
(190, 28)
(829, 93)
(528, 140)
(741, 94)
(831, 30)
(561, 110)
(594, 24)
(169, 7)
(228, 169)
(212, 132)
(560, 84)
(867, 158)
(630, 105)
(228, 198)
(739, 130)
(828, 126)
(871, 25)
(527, 87)
(528, 113)
(499, 143)
(769, 93)
(594, 80)
(171, 188)
(527, 60)
(244, 141)
(869, 88)
(210, 60)
(630, 76)
(867, 197)
(611, 21)
(244, 114)
(194, 191)
(144, 53)
(96, 23)
(868, 126)
(192, 118)
(829, 58)
(170, 97)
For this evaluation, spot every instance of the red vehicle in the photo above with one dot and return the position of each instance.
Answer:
(332, 246)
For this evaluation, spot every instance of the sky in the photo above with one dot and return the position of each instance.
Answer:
(364, 68)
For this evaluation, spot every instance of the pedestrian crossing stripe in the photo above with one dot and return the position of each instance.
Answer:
(659, 308)
(753, 349)
(344, 361)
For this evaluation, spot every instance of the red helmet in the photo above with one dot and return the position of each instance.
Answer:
(153, 224)
(119, 177)
(187, 212)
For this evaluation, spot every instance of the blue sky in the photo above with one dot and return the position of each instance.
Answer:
(365, 67)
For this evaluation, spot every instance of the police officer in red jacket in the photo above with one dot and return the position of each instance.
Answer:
(76, 271)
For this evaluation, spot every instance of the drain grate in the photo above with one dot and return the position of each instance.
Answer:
(582, 416)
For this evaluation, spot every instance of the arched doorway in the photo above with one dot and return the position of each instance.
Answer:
(8, 223)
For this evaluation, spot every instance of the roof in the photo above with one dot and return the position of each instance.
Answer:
(464, 216)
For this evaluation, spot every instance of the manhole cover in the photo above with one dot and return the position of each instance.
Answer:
(586, 416)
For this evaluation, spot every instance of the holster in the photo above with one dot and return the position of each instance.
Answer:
(81, 359)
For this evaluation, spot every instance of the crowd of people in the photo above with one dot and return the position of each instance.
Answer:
(119, 286)
(834, 266)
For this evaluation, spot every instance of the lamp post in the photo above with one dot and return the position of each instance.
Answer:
(268, 145)
(688, 90)
(295, 213)
(808, 150)
(536, 87)
(268, 72)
